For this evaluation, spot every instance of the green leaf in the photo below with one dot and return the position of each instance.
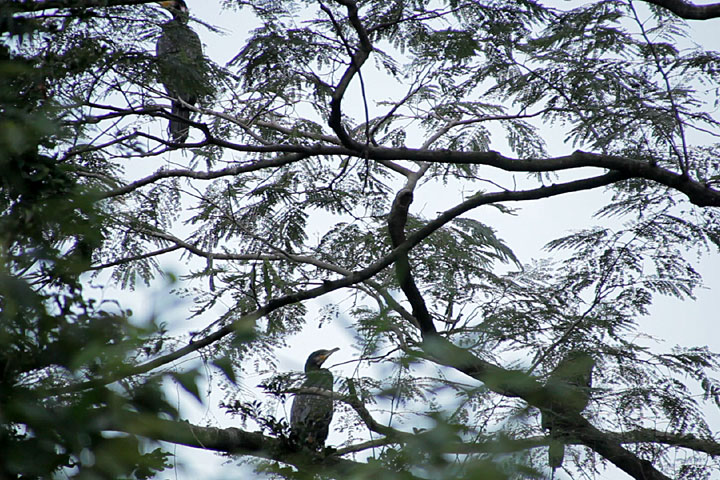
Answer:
(189, 382)
(226, 366)
(267, 279)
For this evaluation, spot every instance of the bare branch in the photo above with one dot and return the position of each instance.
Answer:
(515, 383)
(235, 441)
(234, 170)
(397, 219)
(134, 258)
(689, 10)
(698, 193)
(356, 62)
(247, 320)
(284, 256)
(34, 6)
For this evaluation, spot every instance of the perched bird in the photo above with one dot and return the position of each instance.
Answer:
(310, 415)
(570, 381)
(180, 60)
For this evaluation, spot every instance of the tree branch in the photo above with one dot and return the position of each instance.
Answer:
(516, 383)
(686, 440)
(209, 175)
(303, 259)
(34, 6)
(698, 193)
(512, 445)
(133, 258)
(356, 62)
(247, 320)
(397, 219)
(237, 441)
(688, 10)
(356, 404)
(240, 442)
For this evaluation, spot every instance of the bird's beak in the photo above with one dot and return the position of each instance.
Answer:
(330, 352)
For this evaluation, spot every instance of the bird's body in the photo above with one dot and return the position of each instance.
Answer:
(180, 59)
(571, 381)
(311, 414)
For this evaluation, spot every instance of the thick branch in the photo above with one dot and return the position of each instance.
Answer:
(33, 6)
(236, 441)
(240, 442)
(511, 445)
(687, 440)
(396, 226)
(688, 10)
(698, 193)
(247, 320)
(234, 170)
(515, 383)
(356, 61)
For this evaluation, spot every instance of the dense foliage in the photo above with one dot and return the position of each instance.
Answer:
(344, 155)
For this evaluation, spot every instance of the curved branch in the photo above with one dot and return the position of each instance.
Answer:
(237, 441)
(688, 10)
(34, 6)
(356, 62)
(396, 226)
(240, 442)
(357, 405)
(516, 383)
(304, 259)
(247, 320)
(234, 170)
(698, 193)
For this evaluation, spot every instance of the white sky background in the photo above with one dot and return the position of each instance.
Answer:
(676, 322)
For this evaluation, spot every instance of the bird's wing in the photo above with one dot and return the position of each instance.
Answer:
(301, 408)
(181, 62)
(310, 415)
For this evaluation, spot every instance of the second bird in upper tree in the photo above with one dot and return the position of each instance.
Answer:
(181, 67)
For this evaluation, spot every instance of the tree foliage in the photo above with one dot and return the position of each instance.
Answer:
(345, 155)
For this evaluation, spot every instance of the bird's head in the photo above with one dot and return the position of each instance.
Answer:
(317, 358)
(580, 359)
(178, 8)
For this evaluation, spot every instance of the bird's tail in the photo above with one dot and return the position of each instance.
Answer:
(178, 129)
(556, 452)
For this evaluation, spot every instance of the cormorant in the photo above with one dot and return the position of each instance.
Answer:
(571, 381)
(310, 415)
(180, 58)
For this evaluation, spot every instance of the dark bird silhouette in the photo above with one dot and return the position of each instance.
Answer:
(180, 60)
(570, 383)
(310, 415)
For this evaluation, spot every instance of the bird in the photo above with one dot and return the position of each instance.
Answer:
(180, 60)
(311, 414)
(570, 381)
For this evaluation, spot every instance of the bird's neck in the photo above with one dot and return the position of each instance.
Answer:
(319, 377)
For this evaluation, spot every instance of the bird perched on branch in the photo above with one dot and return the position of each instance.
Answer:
(311, 414)
(180, 60)
(570, 383)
